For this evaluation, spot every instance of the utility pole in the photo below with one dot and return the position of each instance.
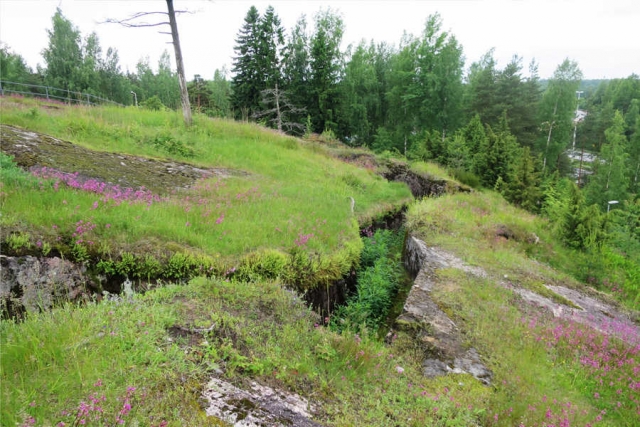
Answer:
(575, 121)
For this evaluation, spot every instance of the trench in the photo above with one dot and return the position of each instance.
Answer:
(325, 300)
(31, 281)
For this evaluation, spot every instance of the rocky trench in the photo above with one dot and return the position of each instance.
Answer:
(31, 283)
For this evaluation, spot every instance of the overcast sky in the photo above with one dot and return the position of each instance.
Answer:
(603, 36)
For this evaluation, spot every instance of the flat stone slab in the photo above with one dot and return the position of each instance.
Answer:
(34, 151)
(258, 407)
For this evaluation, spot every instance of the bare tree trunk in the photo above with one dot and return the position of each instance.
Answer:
(278, 116)
(184, 94)
(544, 163)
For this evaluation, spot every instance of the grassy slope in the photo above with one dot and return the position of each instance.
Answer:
(291, 190)
(547, 371)
(53, 361)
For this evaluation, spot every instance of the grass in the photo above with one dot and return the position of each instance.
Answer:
(292, 195)
(431, 169)
(55, 360)
(475, 225)
(52, 361)
(144, 360)
(547, 371)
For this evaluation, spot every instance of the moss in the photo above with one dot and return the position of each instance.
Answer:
(39, 150)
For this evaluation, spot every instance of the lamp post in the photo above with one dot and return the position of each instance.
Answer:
(611, 202)
(135, 98)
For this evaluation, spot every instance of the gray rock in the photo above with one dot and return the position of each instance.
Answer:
(258, 406)
(32, 284)
(423, 319)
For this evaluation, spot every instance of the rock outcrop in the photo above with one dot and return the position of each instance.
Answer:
(29, 284)
(259, 406)
(428, 324)
(421, 185)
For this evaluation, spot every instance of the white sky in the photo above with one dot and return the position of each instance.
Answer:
(602, 35)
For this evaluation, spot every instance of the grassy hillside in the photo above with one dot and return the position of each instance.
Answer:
(144, 360)
(280, 193)
(549, 369)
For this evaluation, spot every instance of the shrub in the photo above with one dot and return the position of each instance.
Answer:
(153, 104)
(379, 279)
(467, 178)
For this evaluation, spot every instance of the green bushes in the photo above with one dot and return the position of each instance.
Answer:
(379, 279)
(170, 145)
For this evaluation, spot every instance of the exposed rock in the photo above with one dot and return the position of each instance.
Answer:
(260, 406)
(504, 231)
(591, 312)
(33, 150)
(427, 323)
(33, 284)
(421, 185)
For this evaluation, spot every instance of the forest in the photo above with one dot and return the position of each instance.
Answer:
(563, 147)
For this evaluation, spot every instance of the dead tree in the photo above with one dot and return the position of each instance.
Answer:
(280, 110)
(134, 22)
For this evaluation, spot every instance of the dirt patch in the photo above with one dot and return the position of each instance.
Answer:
(33, 150)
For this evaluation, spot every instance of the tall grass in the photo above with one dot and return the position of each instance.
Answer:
(54, 362)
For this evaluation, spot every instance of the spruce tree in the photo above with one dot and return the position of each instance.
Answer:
(476, 141)
(522, 188)
(500, 153)
(246, 79)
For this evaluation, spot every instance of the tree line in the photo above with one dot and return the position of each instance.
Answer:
(494, 127)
